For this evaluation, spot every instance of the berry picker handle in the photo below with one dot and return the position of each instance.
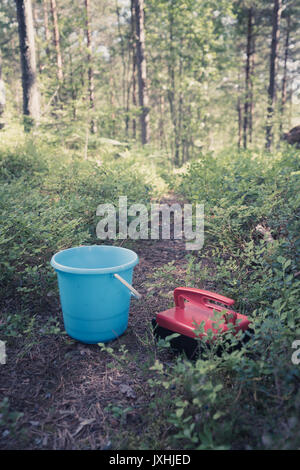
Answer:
(198, 296)
(201, 297)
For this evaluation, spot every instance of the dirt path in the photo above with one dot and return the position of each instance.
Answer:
(75, 396)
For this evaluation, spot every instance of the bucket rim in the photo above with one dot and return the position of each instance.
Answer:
(111, 269)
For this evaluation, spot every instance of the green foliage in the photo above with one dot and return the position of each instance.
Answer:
(224, 401)
(52, 182)
(48, 202)
(195, 406)
(118, 412)
(8, 419)
(242, 190)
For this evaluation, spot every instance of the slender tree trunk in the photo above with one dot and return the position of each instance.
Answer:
(251, 91)
(142, 73)
(35, 26)
(240, 122)
(73, 89)
(291, 103)
(239, 108)
(2, 94)
(90, 66)
(128, 86)
(57, 41)
(81, 53)
(247, 78)
(180, 111)
(127, 109)
(284, 77)
(112, 103)
(31, 102)
(172, 91)
(133, 46)
(125, 85)
(46, 26)
(273, 66)
(161, 121)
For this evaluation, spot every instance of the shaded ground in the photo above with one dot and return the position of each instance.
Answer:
(76, 396)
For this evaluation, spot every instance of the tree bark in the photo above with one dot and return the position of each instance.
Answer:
(90, 65)
(251, 91)
(126, 83)
(240, 123)
(31, 102)
(73, 88)
(46, 26)
(2, 94)
(291, 103)
(35, 27)
(142, 73)
(112, 103)
(284, 77)
(180, 112)
(56, 38)
(172, 91)
(247, 78)
(133, 48)
(273, 66)
(161, 121)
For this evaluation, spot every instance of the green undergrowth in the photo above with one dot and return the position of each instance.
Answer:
(245, 399)
(48, 200)
(248, 398)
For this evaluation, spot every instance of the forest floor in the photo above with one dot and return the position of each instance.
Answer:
(77, 396)
(134, 392)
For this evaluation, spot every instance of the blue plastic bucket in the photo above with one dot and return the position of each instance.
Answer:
(95, 290)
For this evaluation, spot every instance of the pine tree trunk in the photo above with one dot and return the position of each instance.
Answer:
(35, 26)
(251, 91)
(31, 102)
(112, 103)
(180, 112)
(284, 77)
(291, 103)
(142, 73)
(133, 47)
(239, 109)
(73, 88)
(161, 121)
(90, 66)
(172, 92)
(273, 66)
(2, 94)
(46, 26)
(240, 122)
(57, 41)
(247, 78)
